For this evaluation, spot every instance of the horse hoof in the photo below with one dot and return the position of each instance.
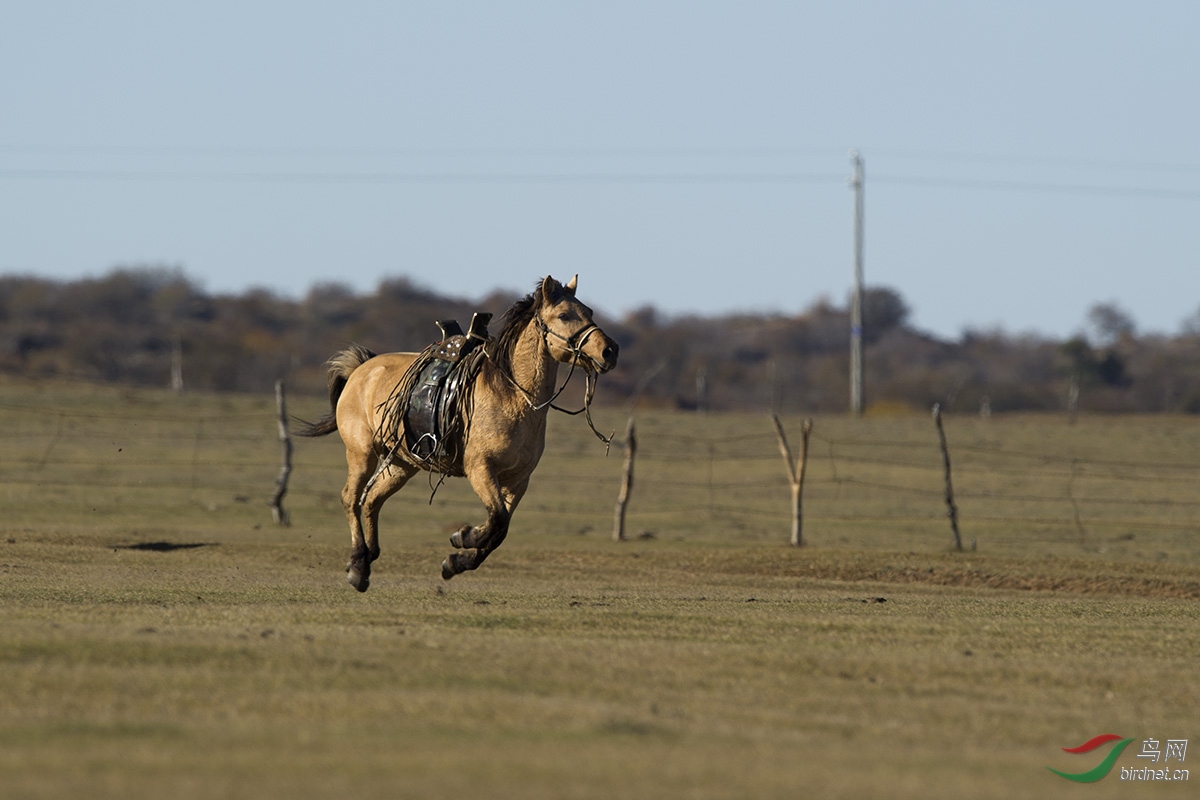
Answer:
(358, 580)
(447, 571)
(459, 537)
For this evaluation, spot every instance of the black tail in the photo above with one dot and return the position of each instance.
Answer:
(340, 367)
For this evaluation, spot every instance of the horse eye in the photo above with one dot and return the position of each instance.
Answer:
(563, 317)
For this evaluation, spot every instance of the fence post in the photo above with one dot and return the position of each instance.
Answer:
(1075, 503)
(277, 510)
(795, 474)
(626, 482)
(951, 509)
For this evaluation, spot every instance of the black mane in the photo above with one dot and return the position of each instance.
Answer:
(512, 324)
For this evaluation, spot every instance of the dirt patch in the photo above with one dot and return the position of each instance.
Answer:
(165, 547)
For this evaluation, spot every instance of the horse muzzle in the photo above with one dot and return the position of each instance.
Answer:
(608, 356)
(600, 352)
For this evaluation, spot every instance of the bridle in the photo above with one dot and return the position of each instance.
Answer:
(574, 343)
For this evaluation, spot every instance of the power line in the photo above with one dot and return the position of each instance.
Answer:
(577, 178)
(1056, 162)
(241, 151)
(616, 151)
(637, 176)
(147, 175)
(1038, 187)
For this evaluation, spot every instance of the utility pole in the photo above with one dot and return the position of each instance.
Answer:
(856, 300)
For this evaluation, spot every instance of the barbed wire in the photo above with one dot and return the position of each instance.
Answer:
(700, 477)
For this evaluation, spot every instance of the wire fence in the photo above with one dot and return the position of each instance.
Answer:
(1123, 487)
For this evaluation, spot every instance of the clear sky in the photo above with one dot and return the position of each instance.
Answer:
(1024, 160)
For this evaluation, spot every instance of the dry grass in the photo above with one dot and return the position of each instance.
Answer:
(160, 637)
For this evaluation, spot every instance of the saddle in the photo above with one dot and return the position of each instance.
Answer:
(436, 403)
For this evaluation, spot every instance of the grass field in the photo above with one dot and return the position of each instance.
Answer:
(161, 637)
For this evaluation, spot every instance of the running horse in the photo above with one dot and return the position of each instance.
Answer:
(503, 429)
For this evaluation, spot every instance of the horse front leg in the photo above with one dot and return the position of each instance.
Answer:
(475, 544)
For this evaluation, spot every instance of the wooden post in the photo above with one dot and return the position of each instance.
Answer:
(177, 365)
(795, 474)
(277, 511)
(626, 482)
(1075, 503)
(951, 509)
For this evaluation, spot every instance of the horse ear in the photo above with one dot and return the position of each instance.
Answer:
(572, 284)
(550, 289)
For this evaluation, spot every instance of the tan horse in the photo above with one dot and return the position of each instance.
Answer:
(505, 429)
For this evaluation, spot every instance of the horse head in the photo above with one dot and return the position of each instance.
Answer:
(569, 331)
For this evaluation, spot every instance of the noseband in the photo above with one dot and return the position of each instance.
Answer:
(574, 342)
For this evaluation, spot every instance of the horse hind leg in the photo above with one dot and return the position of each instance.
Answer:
(358, 568)
(369, 502)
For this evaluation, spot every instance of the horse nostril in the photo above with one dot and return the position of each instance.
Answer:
(610, 352)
